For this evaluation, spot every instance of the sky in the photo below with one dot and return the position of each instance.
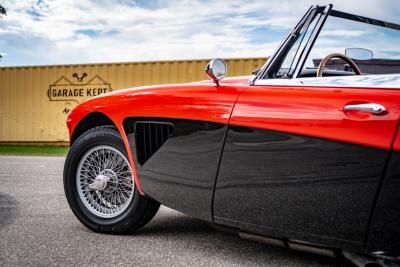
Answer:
(44, 32)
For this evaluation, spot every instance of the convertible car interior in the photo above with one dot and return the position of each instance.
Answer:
(312, 72)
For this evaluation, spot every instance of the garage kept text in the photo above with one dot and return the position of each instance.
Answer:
(78, 92)
(65, 90)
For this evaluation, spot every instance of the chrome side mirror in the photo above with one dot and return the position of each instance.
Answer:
(216, 70)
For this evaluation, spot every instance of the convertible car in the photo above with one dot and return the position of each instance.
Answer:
(304, 154)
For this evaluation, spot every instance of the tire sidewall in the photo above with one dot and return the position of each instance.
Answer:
(97, 137)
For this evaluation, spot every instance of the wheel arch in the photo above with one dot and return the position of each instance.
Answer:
(88, 122)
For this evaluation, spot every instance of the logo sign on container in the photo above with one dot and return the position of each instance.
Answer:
(65, 90)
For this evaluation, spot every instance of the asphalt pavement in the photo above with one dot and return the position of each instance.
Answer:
(37, 228)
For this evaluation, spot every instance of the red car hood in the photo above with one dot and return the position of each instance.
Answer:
(239, 80)
(97, 103)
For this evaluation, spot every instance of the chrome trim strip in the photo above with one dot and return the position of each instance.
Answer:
(272, 59)
(362, 81)
(310, 43)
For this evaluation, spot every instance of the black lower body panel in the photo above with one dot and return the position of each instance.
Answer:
(177, 161)
(296, 186)
(385, 224)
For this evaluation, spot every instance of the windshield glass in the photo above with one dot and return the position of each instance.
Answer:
(339, 34)
(371, 44)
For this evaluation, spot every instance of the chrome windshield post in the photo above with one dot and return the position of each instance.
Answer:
(286, 42)
(277, 58)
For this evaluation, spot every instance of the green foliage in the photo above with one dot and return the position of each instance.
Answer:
(34, 150)
(3, 11)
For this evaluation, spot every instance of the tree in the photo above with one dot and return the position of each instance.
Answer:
(3, 12)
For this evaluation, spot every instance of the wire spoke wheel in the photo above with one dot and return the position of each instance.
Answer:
(104, 181)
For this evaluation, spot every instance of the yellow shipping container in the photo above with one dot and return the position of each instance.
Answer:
(35, 100)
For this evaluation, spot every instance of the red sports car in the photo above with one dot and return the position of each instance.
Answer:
(304, 154)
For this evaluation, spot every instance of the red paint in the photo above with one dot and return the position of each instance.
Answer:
(318, 112)
(396, 142)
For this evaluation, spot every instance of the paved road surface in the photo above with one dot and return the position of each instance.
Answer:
(38, 228)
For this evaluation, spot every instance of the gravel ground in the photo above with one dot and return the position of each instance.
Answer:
(38, 228)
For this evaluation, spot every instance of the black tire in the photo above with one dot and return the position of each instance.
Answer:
(139, 211)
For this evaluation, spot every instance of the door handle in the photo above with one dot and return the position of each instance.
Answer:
(369, 107)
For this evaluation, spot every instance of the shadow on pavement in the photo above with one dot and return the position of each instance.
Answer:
(8, 209)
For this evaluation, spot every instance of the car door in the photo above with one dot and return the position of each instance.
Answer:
(304, 159)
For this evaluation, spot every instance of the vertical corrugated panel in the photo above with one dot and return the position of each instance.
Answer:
(27, 115)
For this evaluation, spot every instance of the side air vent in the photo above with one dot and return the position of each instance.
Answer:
(150, 136)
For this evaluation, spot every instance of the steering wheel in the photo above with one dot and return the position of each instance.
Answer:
(353, 65)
